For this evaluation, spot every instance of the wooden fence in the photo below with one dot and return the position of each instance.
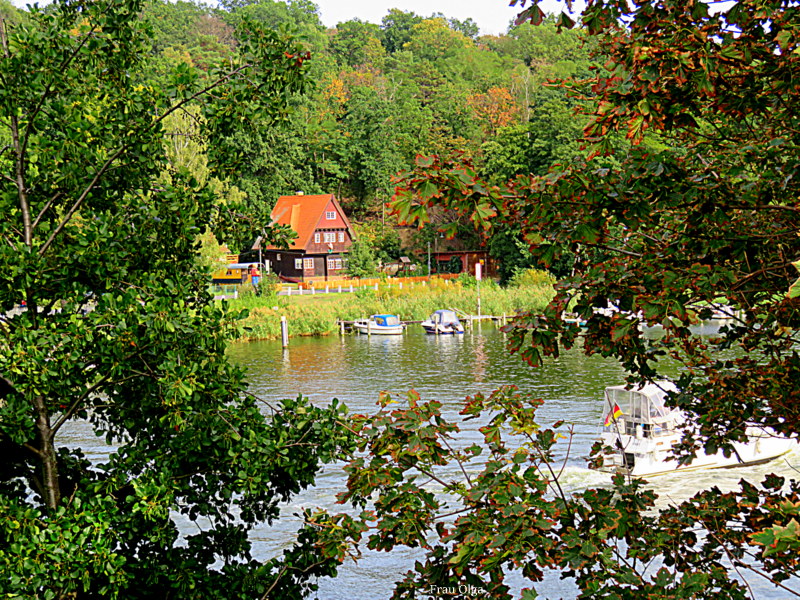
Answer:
(345, 284)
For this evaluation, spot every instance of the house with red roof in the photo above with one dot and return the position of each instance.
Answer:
(324, 235)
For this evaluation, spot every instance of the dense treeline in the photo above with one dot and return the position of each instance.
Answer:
(381, 94)
(376, 97)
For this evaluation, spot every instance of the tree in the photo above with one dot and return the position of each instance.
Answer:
(468, 27)
(382, 239)
(354, 42)
(9, 13)
(495, 109)
(397, 27)
(119, 332)
(699, 209)
(361, 260)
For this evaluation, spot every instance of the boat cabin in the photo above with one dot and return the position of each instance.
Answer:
(640, 431)
(641, 412)
(386, 320)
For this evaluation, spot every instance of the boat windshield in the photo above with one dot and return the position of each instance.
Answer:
(642, 406)
(386, 320)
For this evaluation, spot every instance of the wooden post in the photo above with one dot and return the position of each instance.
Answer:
(478, 277)
(341, 327)
(284, 332)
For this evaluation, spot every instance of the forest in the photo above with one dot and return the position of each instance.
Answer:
(380, 95)
(658, 182)
(377, 96)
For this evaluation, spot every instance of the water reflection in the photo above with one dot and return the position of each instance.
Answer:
(355, 369)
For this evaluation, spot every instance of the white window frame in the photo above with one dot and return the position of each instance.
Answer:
(334, 263)
(308, 263)
(298, 264)
(341, 236)
(317, 237)
(329, 237)
(330, 215)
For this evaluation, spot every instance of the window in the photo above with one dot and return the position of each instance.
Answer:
(330, 237)
(341, 236)
(316, 238)
(330, 215)
(277, 258)
(298, 263)
(334, 264)
(308, 263)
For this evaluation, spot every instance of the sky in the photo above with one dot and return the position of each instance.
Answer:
(492, 16)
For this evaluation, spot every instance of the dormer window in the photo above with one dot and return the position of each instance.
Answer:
(330, 215)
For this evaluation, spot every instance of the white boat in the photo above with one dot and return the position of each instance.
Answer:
(380, 325)
(443, 322)
(639, 431)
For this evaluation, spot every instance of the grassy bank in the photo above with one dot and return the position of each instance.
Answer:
(319, 314)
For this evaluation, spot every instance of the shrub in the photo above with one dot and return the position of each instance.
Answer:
(531, 278)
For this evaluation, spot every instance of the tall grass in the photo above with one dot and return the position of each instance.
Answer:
(320, 314)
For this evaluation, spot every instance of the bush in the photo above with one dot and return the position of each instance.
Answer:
(531, 278)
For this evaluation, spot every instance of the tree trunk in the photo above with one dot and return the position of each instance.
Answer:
(47, 455)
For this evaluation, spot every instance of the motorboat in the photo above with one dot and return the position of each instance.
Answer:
(443, 322)
(380, 325)
(639, 431)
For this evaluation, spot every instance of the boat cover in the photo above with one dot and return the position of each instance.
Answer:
(386, 320)
(644, 404)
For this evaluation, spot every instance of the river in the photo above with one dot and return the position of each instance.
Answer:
(355, 369)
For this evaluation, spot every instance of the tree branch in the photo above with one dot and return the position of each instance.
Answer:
(107, 165)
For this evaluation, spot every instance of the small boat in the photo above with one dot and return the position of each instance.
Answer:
(639, 431)
(380, 325)
(443, 322)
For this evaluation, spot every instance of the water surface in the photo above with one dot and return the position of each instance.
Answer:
(355, 369)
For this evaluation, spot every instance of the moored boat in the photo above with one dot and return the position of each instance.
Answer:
(639, 431)
(443, 322)
(380, 325)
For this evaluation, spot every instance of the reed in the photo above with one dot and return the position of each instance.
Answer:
(319, 314)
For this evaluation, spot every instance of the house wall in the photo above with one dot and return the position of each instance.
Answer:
(335, 226)
(319, 257)
(323, 247)
(468, 260)
(311, 266)
(283, 263)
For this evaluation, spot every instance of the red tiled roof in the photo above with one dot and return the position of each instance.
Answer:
(303, 214)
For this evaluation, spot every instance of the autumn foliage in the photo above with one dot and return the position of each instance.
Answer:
(696, 213)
